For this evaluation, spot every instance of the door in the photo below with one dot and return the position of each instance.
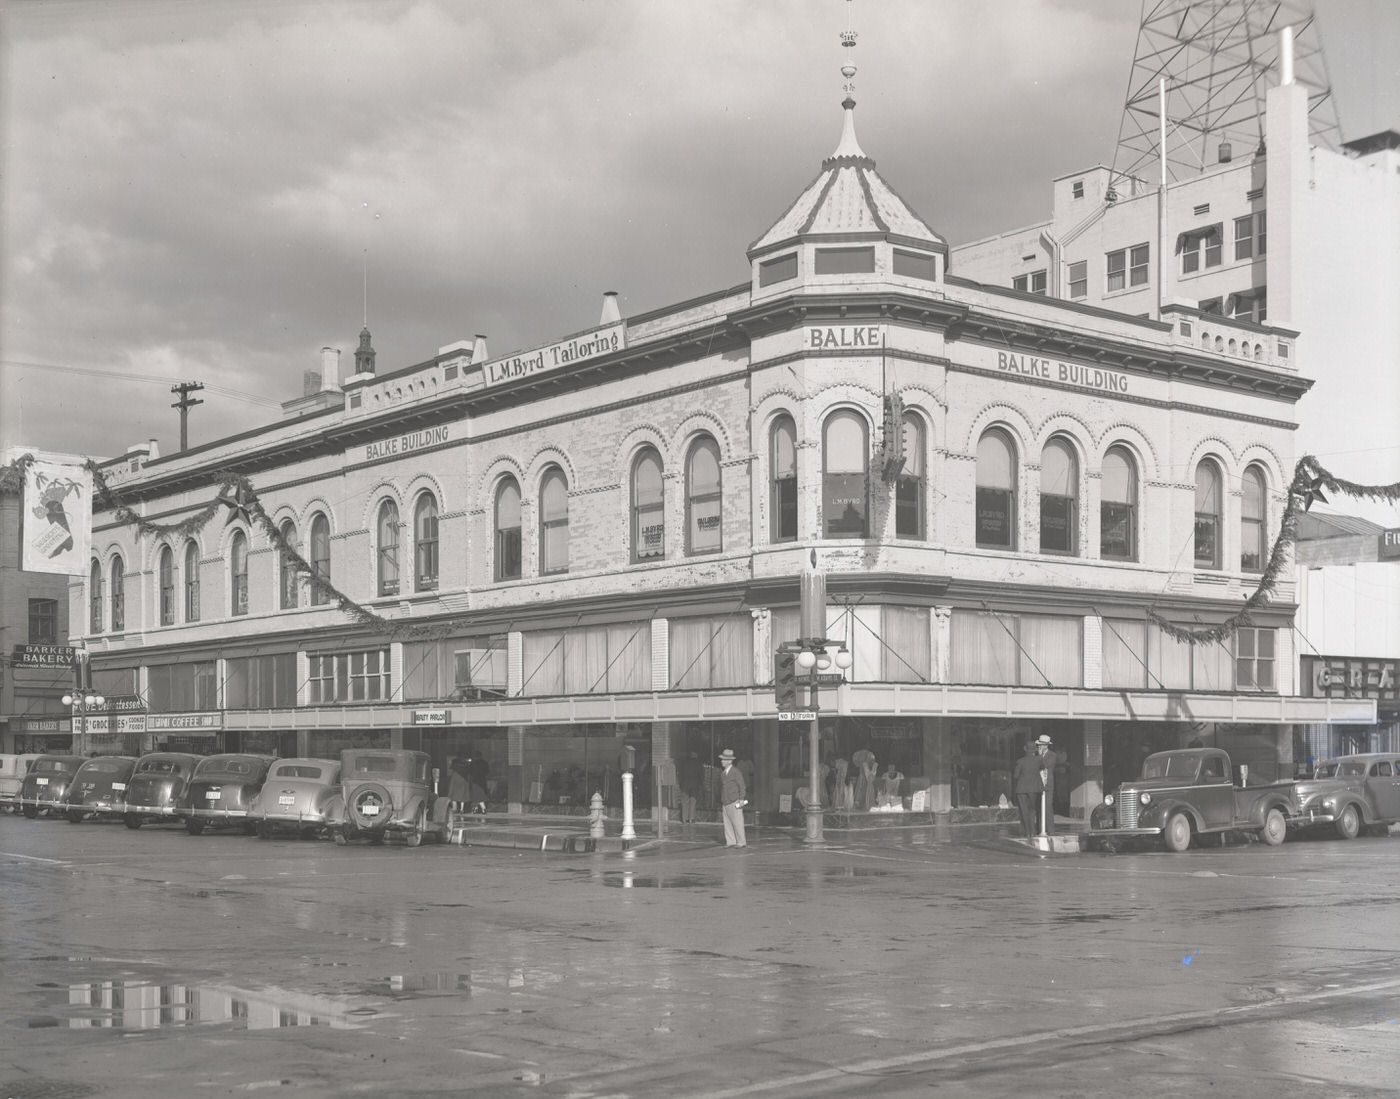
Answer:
(1383, 789)
(1215, 795)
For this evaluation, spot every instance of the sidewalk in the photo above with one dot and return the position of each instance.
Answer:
(570, 834)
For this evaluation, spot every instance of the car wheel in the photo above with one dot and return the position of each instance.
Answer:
(1275, 827)
(75, 816)
(131, 820)
(31, 811)
(1349, 823)
(1177, 834)
(194, 827)
(414, 838)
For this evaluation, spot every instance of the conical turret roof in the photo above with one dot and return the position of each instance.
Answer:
(849, 197)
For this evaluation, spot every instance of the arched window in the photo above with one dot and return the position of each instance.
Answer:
(1059, 497)
(166, 571)
(118, 589)
(704, 526)
(1118, 506)
(648, 518)
(95, 598)
(845, 476)
(238, 573)
(554, 522)
(909, 485)
(191, 582)
(320, 559)
(286, 570)
(388, 553)
(508, 530)
(1252, 521)
(996, 491)
(1207, 536)
(425, 543)
(783, 480)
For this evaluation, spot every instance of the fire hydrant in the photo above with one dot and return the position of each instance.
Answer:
(595, 817)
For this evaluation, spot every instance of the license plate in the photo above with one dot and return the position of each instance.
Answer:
(41, 782)
(286, 799)
(212, 795)
(118, 786)
(370, 810)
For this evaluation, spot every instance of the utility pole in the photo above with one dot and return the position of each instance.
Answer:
(184, 404)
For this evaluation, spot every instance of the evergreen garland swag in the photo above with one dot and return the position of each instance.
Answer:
(236, 493)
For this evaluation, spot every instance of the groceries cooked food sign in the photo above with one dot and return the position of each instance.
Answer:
(570, 352)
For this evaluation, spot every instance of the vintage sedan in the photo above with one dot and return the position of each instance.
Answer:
(99, 788)
(46, 784)
(387, 792)
(12, 772)
(1360, 792)
(156, 786)
(221, 789)
(295, 797)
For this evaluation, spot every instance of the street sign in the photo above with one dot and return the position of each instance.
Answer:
(830, 679)
(797, 715)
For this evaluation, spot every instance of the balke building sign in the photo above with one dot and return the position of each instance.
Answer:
(570, 352)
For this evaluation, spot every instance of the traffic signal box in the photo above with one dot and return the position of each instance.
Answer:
(785, 681)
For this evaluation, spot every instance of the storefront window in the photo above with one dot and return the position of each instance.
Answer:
(180, 688)
(564, 765)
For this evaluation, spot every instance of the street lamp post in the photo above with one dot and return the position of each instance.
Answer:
(81, 704)
(814, 657)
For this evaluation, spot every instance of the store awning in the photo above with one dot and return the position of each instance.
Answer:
(857, 699)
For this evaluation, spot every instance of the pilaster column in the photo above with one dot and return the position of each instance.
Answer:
(1089, 792)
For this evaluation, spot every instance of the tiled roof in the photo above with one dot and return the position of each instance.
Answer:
(849, 197)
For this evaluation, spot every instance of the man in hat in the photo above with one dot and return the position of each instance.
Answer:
(1048, 759)
(1026, 782)
(733, 796)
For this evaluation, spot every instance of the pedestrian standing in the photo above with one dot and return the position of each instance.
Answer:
(1026, 781)
(733, 796)
(691, 778)
(1047, 776)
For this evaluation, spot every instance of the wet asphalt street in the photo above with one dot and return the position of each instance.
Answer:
(160, 964)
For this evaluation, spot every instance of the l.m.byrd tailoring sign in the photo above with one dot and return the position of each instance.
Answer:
(568, 352)
(843, 337)
(407, 443)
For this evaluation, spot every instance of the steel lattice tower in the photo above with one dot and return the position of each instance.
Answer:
(1219, 58)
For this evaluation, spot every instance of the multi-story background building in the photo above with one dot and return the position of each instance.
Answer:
(549, 558)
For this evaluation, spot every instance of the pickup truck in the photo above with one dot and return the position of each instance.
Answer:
(1188, 793)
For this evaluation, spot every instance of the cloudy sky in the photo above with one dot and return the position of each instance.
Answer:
(194, 190)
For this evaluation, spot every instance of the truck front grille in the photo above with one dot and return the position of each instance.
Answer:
(1127, 806)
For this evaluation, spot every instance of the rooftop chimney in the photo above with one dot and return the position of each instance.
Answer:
(330, 368)
(310, 382)
(611, 315)
(479, 354)
(152, 450)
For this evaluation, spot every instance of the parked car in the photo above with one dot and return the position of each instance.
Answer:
(46, 784)
(156, 786)
(221, 789)
(1359, 792)
(99, 788)
(295, 796)
(12, 771)
(387, 792)
(1188, 793)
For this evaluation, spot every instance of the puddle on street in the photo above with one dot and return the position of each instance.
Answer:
(627, 880)
(142, 1004)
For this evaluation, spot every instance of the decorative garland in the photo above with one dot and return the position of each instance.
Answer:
(236, 493)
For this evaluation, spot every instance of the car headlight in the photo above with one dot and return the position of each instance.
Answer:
(1145, 798)
(1108, 799)
(1329, 804)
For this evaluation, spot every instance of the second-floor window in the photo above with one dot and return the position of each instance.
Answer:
(425, 543)
(996, 491)
(1207, 530)
(238, 573)
(191, 582)
(1252, 521)
(845, 476)
(43, 621)
(508, 530)
(388, 548)
(1128, 267)
(782, 500)
(320, 559)
(554, 522)
(287, 572)
(648, 508)
(1254, 658)
(95, 597)
(1118, 506)
(909, 485)
(703, 520)
(349, 677)
(166, 575)
(1079, 279)
(1059, 491)
(118, 590)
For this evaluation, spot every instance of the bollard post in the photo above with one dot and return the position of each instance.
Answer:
(628, 831)
(1042, 812)
(595, 817)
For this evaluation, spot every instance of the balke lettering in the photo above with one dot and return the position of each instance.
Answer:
(844, 338)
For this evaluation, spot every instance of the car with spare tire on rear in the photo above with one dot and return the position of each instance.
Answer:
(387, 793)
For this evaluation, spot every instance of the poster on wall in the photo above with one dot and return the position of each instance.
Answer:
(57, 518)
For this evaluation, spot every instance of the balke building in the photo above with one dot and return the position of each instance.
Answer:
(601, 540)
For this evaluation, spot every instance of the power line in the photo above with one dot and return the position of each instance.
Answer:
(236, 394)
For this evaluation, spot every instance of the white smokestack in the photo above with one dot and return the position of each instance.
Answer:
(330, 368)
(611, 314)
(1285, 55)
(479, 354)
